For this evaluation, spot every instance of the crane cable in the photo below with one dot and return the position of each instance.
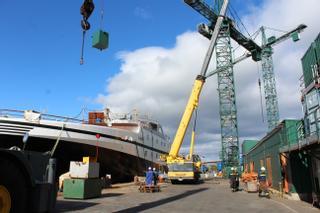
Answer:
(101, 13)
(236, 16)
(260, 91)
(86, 10)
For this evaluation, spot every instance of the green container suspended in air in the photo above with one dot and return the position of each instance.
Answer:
(295, 36)
(100, 40)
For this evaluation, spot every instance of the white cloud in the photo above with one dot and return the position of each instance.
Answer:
(157, 81)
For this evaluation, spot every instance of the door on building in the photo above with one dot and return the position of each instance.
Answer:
(269, 170)
(284, 172)
(316, 180)
(252, 166)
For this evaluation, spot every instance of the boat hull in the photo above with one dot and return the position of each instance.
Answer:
(122, 167)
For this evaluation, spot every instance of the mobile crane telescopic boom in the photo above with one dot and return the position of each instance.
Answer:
(173, 157)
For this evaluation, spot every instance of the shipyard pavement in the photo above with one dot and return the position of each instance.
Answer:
(210, 196)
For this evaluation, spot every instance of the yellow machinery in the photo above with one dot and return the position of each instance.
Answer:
(188, 168)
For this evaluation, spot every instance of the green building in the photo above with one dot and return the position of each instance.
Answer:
(266, 152)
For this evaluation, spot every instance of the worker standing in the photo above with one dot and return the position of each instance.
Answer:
(263, 186)
(155, 176)
(149, 177)
(234, 179)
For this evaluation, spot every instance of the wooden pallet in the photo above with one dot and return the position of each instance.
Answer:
(149, 188)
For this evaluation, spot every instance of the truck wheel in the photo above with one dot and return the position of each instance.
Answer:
(5, 200)
(13, 188)
(174, 181)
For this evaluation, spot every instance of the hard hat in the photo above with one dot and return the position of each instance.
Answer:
(263, 169)
(232, 168)
(154, 169)
(149, 168)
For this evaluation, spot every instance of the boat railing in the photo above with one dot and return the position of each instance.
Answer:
(11, 113)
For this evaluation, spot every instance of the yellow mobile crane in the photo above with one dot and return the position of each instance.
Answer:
(188, 168)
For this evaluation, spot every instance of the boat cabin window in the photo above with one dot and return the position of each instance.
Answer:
(154, 127)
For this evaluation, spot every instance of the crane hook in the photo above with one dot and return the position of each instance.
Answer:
(86, 10)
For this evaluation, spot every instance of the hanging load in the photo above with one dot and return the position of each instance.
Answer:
(100, 40)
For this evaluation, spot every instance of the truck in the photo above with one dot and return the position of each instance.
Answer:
(27, 181)
(185, 169)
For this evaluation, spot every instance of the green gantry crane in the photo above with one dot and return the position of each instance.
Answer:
(227, 100)
(268, 77)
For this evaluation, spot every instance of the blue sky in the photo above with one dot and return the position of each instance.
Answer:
(41, 40)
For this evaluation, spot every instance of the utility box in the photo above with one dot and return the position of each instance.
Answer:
(100, 40)
(82, 188)
(84, 170)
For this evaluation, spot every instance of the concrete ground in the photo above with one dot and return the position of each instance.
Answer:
(210, 196)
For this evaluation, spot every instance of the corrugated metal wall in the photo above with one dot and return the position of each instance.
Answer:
(311, 61)
(247, 145)
(266, 152)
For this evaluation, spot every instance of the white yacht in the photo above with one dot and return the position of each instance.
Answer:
(125, 145)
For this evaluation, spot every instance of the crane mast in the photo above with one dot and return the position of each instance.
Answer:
(268, 76)
(269, 83)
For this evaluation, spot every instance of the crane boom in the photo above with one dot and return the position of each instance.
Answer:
(191, 105)
(271, 43)
(196, 90)
(235, 61)
(285, 36)
(206, 11)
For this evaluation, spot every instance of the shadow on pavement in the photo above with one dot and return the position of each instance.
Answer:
(110, 195)
(145, 206)
(65, 205)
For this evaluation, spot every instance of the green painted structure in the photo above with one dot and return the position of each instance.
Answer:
(305, 155)
(82, 188)
(311, 62)
(100, 40)
(266, 151)
(247, 145)
(269, 83)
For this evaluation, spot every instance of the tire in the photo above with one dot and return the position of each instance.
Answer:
(174, 181)
(12, 178)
